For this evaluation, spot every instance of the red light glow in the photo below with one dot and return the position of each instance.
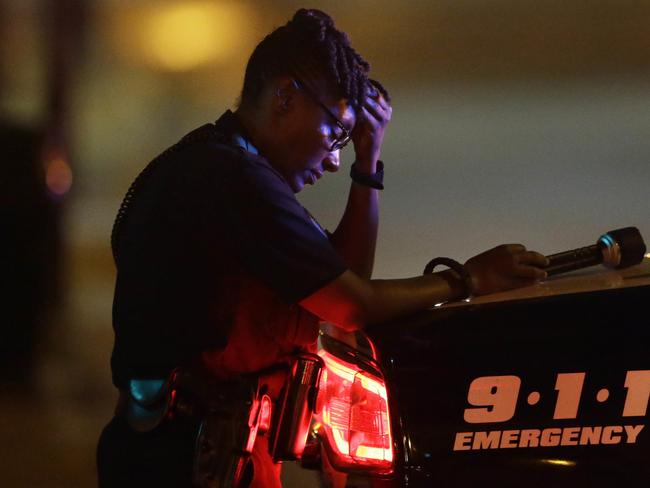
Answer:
(259, 420)
(265, 414)
(353, 410)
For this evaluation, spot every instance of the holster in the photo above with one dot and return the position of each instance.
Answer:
(229, 426)
(247, 411)
(292, 417)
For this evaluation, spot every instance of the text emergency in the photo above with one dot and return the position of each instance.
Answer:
(550, 437)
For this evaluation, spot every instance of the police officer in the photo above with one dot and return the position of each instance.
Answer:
(221, 270)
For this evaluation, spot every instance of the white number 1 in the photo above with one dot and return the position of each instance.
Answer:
(569, 389)
(638, 393)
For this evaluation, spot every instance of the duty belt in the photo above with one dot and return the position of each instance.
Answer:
(231, 414)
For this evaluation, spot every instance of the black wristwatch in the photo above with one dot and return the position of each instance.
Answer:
(373, 180)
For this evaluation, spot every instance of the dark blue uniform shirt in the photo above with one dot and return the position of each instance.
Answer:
(213, 253)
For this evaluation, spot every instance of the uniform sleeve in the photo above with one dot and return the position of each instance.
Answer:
(273, 235)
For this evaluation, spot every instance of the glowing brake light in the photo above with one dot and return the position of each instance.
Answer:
(352, 410)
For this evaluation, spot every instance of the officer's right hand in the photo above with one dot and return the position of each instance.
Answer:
(505, 267)
(368, 134)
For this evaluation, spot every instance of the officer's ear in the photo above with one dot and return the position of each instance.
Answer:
(284, 96)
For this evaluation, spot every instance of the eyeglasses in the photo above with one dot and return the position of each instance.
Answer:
(339, 141)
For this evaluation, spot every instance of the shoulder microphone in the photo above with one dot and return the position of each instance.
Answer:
(617, 249)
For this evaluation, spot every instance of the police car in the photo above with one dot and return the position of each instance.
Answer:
(544, 386)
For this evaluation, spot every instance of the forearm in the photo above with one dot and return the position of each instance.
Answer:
(398, 297)
(355, 238)
(351, 302)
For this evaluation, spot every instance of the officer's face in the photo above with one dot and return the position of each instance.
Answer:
(310, 133)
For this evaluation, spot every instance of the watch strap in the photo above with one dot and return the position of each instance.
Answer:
(373, 180)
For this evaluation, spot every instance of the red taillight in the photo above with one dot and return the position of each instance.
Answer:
(352, 410)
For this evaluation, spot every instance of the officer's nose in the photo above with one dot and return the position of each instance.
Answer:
(331, 162)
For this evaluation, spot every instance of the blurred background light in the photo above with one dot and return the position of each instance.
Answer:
(180, 36)
(58, 175)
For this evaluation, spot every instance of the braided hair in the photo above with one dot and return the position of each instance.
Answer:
(310, 45)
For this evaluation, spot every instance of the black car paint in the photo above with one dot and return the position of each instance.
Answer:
(430, 359)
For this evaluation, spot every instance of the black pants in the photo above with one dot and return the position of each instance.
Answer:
(160, 458)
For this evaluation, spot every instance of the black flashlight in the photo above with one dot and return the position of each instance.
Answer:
(617, 249)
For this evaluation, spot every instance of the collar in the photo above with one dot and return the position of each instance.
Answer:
(231, 127)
